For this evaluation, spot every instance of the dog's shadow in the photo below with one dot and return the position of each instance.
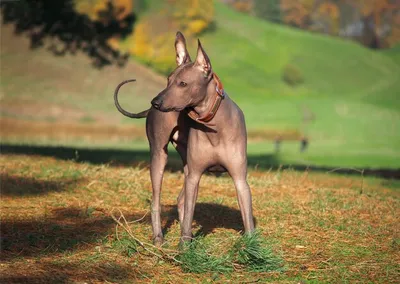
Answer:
(208, 216)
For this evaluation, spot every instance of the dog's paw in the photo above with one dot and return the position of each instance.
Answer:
(158, 241)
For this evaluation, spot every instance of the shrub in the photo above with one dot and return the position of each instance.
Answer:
(94, 8)
(292, 75)
(153, 38)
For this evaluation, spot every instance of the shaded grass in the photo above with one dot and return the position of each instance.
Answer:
(123, 155)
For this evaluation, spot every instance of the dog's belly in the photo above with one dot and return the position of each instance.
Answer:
(216, 169)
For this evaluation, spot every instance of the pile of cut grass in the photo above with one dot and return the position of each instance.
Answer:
(249, 252)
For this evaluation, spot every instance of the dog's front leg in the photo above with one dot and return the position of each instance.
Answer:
(238, 172)
(191, 190)
(244, 199)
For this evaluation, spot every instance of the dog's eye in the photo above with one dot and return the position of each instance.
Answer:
(182, 84)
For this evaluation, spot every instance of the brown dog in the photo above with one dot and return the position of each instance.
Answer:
(213, 136)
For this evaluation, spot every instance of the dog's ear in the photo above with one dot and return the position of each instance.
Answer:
(203, 61)
(182, 55)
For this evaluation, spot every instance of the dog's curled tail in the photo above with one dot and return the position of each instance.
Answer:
(121, 110)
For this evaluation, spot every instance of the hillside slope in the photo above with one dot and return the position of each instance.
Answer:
(393, 53)
(250, 55)
(348, 106)
(37, 85)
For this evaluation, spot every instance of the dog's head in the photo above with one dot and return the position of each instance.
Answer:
(188, 83)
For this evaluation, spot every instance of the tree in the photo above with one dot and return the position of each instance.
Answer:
(268, 9)
(63, 26)
(326, 18)
(379, 19)
(297, 13)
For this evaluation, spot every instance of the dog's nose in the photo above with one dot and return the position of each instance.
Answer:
(156, 103)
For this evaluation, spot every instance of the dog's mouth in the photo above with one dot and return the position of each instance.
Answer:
(169, 109)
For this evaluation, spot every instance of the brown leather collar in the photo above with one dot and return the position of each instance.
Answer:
(219, 96)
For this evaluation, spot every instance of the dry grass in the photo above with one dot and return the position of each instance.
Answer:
(56, 224)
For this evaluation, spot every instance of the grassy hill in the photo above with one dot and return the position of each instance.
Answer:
(350, 91)
(393, 53)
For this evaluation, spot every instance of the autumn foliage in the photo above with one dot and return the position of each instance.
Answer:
(154, 35)
(94, 8)
(375, 23)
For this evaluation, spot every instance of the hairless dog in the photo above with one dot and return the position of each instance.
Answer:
(207, 129)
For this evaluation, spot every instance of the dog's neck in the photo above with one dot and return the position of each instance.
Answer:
(204, 106)
(205, 111)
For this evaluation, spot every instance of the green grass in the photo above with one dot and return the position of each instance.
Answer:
(249, 252)
(393, 53)
(250, 55)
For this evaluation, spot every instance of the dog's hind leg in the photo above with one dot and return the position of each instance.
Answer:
(159, 157)
(191, 190)
(181, 148)
(181, 199)
(180, 140)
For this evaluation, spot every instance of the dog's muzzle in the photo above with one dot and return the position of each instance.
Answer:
(156, 103)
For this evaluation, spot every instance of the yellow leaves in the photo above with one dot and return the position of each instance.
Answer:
(90, 8)
(193, 16)
(154, 35)
(297, 12)
(330, 14)
(114, 43)
(196, 26)
(93, 8)
(192, 12)
(141, 45)
(245, 7)
(329, 10)
(154, 49)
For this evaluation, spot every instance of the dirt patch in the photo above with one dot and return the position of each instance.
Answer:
(27, 109)
(64, 131)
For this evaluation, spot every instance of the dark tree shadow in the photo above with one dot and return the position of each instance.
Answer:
(142, 157)
(209, 216)
(94, 156)
(53, 272)
(273, 163)
(57, 22)
(63, 229)
(24, 186)
(74, 228)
